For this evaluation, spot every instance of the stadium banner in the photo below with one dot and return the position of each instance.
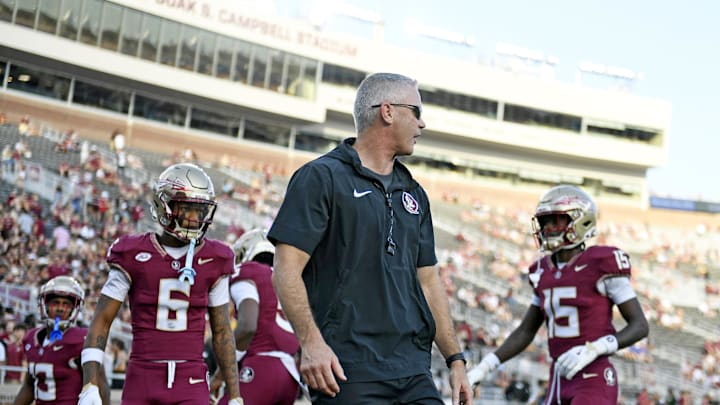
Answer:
(684, 205)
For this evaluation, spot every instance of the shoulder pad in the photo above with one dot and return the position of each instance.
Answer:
(127, 243)
(221, 249)
(30, 336)
(608, 260)
(76, 334)
(251, 271)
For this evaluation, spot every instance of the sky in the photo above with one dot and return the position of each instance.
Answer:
(675, 45)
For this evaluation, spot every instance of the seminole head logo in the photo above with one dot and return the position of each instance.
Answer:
(410, 203)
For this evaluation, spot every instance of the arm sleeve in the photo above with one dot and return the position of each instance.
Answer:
(244, 290)
(536, 301)
(618, 289)
(116, 286)
(220, 293)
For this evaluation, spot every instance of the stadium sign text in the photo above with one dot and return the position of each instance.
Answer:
(224, 13)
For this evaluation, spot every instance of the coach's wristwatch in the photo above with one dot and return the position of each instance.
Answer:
(455, 357)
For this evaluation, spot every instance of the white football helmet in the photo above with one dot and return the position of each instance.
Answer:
(251, 244)
(184, 184)
(580, 210)
(61, 286)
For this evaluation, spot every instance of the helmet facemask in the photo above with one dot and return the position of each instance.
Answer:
(189, 219)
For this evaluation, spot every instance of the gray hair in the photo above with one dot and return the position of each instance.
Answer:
(376, 89)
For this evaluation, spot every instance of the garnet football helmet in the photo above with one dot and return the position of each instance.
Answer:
(181, 188)
(251, 244)
(581, 218)
(61, 286)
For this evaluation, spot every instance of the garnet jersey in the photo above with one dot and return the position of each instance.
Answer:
(168, 315)
(575, 311)
(55, 368)
(273, 332)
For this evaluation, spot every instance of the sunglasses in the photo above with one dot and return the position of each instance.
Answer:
(417, 111)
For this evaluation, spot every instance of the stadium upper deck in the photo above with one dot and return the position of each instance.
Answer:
(206, 70)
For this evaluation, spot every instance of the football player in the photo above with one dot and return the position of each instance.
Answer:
(53, 350)
(172, 280)
(266, 344)
(574, 290)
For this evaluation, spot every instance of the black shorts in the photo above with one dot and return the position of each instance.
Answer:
(419, 389)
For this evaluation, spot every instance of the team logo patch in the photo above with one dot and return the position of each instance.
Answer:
(142, 257)
(609, 375)
(175, 264)
(410, 204)
(246, 374)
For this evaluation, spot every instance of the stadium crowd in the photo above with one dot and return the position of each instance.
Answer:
(69, 235)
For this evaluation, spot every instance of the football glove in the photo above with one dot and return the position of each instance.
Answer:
(488, 363)
(90, 395)
(236, 401)
(578, 357)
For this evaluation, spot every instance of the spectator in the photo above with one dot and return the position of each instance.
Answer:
(58, 266)
(84, 152)
(121, 163)
(117, 145)
(117, 141)
(68, 142)
(24, 126)
(25, 222)
(61, 235)
(15, 353)
(3, 350)
(643, 397)
(120, 358)
(8, 160)
(540, 396)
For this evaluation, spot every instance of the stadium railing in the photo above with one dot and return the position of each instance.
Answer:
(21, 298)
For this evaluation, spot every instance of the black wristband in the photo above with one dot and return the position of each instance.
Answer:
(455, 357)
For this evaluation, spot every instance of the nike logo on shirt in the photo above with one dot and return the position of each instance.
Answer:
(581, 267)
(356, 194)
(207, 260)
(196, 380)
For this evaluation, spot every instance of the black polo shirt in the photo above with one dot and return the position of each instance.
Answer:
(368, 303)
